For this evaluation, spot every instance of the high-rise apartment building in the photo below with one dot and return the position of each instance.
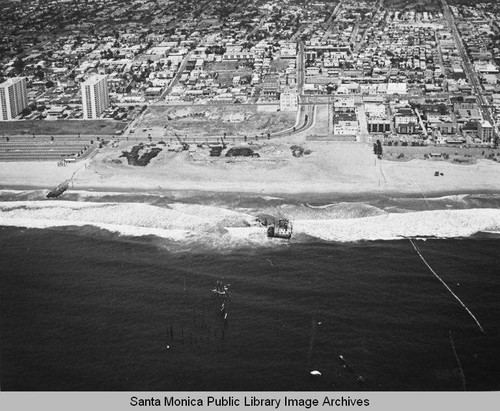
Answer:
(13, 98)
(95, 96)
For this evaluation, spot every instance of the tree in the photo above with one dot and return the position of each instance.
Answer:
(19, 65)
(40, 74)
(377, 149)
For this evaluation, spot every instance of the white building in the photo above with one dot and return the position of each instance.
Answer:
(13, 98)
(496, 102)
(485, 131)
(288, 100)
(345, 124)
(95, 96)
(405, 116)
(344, 105)
(288, 50)
(396, 88)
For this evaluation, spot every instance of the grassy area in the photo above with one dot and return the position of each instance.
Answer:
(222, 66)
(227, 70)
(58, 127)
(280, 64)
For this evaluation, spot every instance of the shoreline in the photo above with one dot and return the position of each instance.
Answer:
(311, 195)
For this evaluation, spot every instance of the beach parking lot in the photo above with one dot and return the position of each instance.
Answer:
(61, 127)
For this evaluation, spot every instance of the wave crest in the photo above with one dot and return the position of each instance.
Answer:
(341, 210)
(393, 226)
(220, 228)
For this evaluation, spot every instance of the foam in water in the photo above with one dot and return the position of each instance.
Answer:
(219, 227)
(123, 229)
(181, 221)
(341, 210)
(320, 206)
(391, 226)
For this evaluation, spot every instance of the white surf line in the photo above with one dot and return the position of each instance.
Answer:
(448, 288)
(319, 207)
(458, 361)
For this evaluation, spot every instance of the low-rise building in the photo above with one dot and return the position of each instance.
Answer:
(406, 121)
(344, 105)
(345, 124)
(289, 100)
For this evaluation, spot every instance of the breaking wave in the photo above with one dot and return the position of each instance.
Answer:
(221, 228)
(454, 202)
(178, 222)
(343, 210)
(393, 226)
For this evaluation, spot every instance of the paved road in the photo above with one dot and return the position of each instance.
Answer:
(377, 6)
(471, 73)
(306, 121)
(177, 76)
(325, 98)
(330, 20)
(363, 136)
(259, 24)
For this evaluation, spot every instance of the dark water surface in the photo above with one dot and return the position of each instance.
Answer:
(85, 309)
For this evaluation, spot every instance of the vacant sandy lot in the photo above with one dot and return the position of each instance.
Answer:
(212, 120)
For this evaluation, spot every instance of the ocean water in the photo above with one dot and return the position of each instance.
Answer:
(109, 291)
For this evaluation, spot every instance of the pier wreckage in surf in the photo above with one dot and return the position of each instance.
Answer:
(280, 229)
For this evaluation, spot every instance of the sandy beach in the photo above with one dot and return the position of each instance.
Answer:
(330, 168)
